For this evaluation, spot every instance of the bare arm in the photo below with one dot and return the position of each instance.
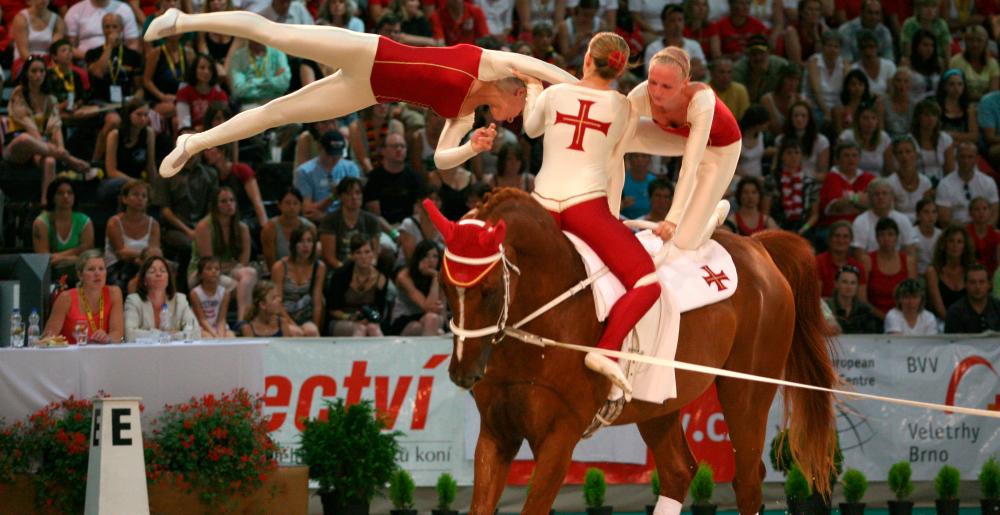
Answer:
(317, 294)
(268, 243)
(203, 238)
(934, 292)
(359, 148)
(19, 33)
(58, 315)
(245, 237)
(116, 326)
(199, 313)
(168, 214)
(111, 156)
(329, 244)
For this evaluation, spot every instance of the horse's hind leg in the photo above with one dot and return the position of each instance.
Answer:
(553, 454)
(493, 457)
(676, 466)
(745, 405)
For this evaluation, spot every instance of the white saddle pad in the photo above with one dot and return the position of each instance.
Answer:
(689, 279)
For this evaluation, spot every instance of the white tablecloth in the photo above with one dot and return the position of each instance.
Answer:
(160, 374)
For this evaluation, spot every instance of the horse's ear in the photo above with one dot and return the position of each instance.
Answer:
(496, 234)
(444, 226)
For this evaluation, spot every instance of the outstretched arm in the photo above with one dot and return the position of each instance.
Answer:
(496, 65)
(701, 111)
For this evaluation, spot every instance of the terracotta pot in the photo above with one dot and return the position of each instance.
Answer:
(285, 491)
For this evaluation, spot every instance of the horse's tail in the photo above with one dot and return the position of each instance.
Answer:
(808, 413)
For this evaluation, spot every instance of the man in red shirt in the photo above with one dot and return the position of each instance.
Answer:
(843, 196)
(733, 31)
(459, 22)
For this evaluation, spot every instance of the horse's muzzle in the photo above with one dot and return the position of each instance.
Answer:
(465, 380)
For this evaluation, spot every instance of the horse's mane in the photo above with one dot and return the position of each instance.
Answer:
(499, 196)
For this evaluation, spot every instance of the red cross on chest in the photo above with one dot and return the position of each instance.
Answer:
(582, 122)
(715, 278)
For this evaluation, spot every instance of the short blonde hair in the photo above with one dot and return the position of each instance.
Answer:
(675, 56)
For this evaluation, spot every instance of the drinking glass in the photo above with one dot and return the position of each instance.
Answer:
(80, 332)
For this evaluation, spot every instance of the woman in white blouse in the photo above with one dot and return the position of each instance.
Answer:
(157, 296)
(909, 316)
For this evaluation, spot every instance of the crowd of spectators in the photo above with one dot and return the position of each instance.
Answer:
(869, 127)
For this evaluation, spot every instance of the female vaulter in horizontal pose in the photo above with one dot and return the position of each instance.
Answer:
(452, 81)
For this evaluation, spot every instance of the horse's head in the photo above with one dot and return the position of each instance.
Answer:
(479, 284)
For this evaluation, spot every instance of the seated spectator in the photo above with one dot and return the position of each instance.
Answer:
(953, 255)
(672, 20)
(988, 116)
(163, 73)
(732, 93)
(419, 309)
(752, 126)
(887, 267)
(416, 228)
(393, 187)
(338, 227)
(937, 154)
(803, 37)
(661, 196)
(699, 24)
(876, 154)
(855, 316)
(84, 20)
(416, 27)
(210, 300)
(92, 308)
(908, 185)
(958, 113)
(985, 237)
(574, 33)
(801, 125)
(157, 296)
(926, 18)
(869, 19)
(286, 11)
(797, 205)
(148, 252)
(897, 117)
(34, 29)
(924, 65)
(909, 316)
(301, 277)
(956, 190)
(826, 74)
(635, 192)
(734, 32)
(215, 44)
(60, 231)
(368, 134)
(307, 142)
(274, 237)
(264, 319)
(927, 233)
(115, 72)
(131, 149)
(511, 170)
(217, 114)
(748, 217)
(854, 93)
(69, 84)
(222, 234)
(542, 38)
(758, 70)
(865, 236)
(837, 256)
(981, 70)
(458, 21)
(201, 90)
(318, 177)
(258, 74)
(129, 233)
(340, 13)
(454, 187)
(356, 298)
(34, 129)
(843, 196)
(240, 178)
(978, 311)
(877, 69)
(780, 101)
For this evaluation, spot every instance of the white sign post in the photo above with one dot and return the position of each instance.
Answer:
(116, 473)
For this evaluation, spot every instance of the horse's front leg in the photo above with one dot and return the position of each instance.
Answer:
(553, 454)
(493, 457)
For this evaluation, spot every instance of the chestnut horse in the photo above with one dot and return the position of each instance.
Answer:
(548, 396)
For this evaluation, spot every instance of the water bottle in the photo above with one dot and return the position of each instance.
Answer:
(165, 323)
(16, 329)
(34, 329)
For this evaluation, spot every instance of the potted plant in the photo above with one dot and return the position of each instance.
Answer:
(594, 489)
(902, 487)
(216, 448)
(56, 441)
(654, 482)
(702, 487)
(782, 461)
(855, 485)
(447, 489)
(349, 454)
(946, 486)
(401, 488)
(797, 492)
(989, 485)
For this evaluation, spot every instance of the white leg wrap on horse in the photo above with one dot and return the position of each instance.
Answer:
(667, 506)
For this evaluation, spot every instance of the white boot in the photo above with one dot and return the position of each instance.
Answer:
(177, 158)
(163, 25)
(667, 506)
(603, 365)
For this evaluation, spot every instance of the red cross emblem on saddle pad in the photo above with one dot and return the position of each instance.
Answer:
(715, 278)
(582, 121)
